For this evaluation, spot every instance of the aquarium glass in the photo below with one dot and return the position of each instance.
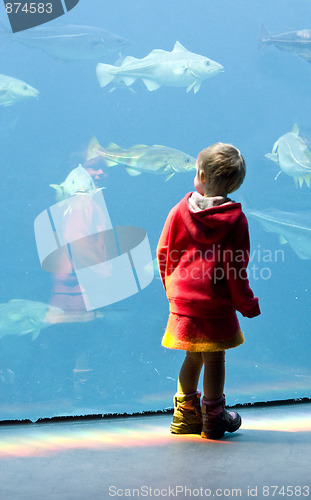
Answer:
(97, 145)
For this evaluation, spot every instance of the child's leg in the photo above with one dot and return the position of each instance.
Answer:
(214, 374)
(216, 419)
(187, 408)
(190, 373)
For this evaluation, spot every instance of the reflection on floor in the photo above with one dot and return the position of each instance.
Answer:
(138, 457)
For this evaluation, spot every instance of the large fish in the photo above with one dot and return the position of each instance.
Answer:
(141, 158)
(293, 228)
(77, 181)
(13, 90)
(22, 317)
(292, 155)
(178, 68)
(298, 42)
(71, 42)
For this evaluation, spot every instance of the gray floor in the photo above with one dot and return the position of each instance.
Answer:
(137, 457)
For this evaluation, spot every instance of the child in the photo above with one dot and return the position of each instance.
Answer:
(203, 254)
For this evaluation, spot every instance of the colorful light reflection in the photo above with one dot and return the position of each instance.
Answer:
(41, 440)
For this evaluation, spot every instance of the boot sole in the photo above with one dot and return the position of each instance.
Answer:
(218, 433)
(174, 429)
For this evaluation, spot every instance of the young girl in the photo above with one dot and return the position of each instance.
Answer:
(203, 254)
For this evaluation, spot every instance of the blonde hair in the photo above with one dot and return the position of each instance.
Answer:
(223, 167)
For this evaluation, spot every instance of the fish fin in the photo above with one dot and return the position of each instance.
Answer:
(25, 332)
(58, 188)
(178, 47)
(132, 172)
(282, 240)
(112, 146)
(151, 85)
(110, 163)
(265, 37)
(104, 74)
(196, 87)
(300, 180)
(277, 175)
(169, 176)
(93, 149)
(296, 181)
(129, 59)
(138, 146)
(35, 334)
(307, 178)
(275, 147)
(190, 86)
(159, 52)
(7, 103)
(128, 80)
(272, 156)
(295, 129)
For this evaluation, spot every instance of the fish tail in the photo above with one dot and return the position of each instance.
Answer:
(93, 149)
(104, 73)
(265, 37)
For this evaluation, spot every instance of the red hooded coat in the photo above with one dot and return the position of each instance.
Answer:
(202, 257)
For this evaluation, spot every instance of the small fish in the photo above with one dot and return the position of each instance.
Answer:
(141, 158)
(70, 42)
(297, 42)
(13, 90)
(78, 181)
(292, 228)
(178, 68)
(292, 155)
(22, 317)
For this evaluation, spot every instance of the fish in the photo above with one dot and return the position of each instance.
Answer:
(70, 42)
(23, 317)
(178, 68)
(298, 42)
(141, 158)
(292, 155)
(293, 228)
(29, 317)
(78, 181)
(13, 90)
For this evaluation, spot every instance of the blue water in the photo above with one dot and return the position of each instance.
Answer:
(116, 364)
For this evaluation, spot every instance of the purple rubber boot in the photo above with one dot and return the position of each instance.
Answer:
(217, 420)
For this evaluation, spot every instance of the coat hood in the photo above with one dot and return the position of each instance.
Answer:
(209, 220)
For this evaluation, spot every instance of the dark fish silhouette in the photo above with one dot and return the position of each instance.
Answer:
(293, 228)
(70, 41)
(297, 42)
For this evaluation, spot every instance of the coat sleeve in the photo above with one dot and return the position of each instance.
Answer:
(235, 261)
(163, 247)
